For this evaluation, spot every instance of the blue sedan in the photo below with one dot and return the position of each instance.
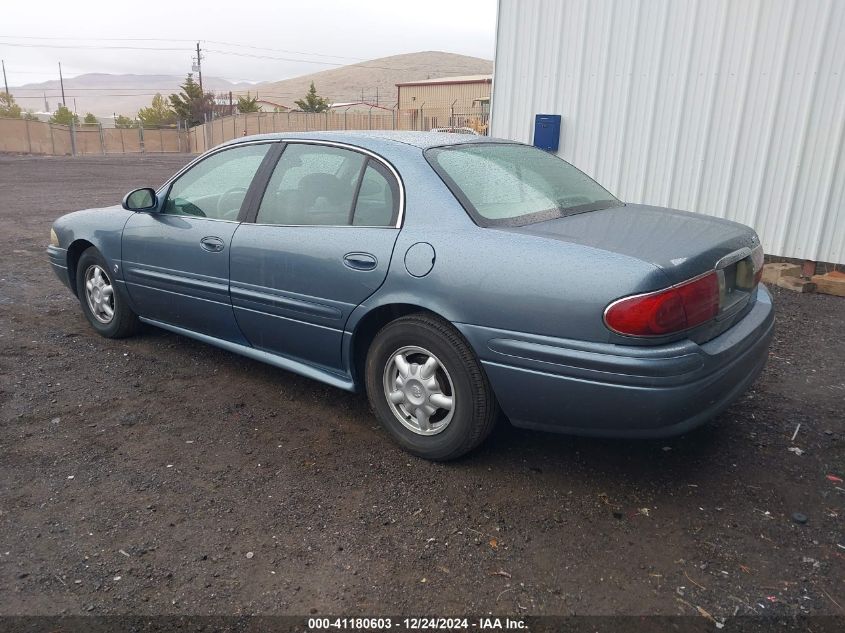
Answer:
(453, 278)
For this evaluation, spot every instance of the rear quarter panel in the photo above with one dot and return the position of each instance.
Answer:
(499, 279)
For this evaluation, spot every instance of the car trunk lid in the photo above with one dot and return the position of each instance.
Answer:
(680, 243)
(683, 245)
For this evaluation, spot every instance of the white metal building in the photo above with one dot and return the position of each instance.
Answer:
(734, 108)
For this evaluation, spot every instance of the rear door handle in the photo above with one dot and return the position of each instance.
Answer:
(360, 261)
(212, 244)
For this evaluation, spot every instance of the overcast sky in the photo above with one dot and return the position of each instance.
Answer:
(331, 32)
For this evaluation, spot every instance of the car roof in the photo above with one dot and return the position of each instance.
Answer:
(376, 139)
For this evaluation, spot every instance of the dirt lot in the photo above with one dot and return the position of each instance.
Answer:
(159, 475)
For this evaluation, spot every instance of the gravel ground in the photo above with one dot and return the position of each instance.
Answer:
(157, 475)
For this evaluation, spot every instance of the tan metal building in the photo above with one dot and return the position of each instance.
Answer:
(446, 101)
(462, 93)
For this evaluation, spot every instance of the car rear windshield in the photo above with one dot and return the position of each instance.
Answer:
(513, 185)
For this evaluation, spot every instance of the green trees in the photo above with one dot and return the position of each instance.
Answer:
(312, 101)
(8, 107)
(64, 116)
(124, 122)
(247, 104)
(192, 104)
(158, 113)
(90, 119)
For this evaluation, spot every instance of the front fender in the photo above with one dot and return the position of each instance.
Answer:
(100, 228)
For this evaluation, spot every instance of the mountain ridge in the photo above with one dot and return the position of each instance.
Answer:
(375, 79)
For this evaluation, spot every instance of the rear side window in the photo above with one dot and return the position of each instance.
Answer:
(512, 184)
(378, 197)
(312, 185)
(321, 185)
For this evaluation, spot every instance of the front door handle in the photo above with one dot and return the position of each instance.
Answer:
(212, 244)
(360, 261)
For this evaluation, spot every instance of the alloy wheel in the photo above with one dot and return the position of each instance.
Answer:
(419, 390)
(99, 293)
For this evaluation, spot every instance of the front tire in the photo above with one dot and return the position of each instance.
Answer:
(103, 305)
(427, 388)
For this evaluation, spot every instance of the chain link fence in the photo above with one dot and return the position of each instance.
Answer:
(22, 136)
(203, 137)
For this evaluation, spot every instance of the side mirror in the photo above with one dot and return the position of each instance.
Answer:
(140, 200)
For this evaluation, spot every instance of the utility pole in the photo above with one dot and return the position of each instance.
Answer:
(231, 107)
(62, 82)
(199, 66)
(5, 83)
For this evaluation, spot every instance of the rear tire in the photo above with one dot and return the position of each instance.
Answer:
(101, 301)
(427, 388)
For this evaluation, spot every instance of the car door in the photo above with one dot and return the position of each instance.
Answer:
(320, 244)
(176, 259)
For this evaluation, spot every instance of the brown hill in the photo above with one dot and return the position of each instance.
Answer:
(104, 94)
(376, 78)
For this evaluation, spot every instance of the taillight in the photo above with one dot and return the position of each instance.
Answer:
(666, 311)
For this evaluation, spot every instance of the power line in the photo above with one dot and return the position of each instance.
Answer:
(96, 39)
(91, 47)
(282, 50)
(168, 49)
(314, 61)
(31, 72)
(219, 51)
(103, 92)
(164, 39)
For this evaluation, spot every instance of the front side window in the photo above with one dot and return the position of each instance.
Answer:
(514, 185)
(216, 186)
(321, 185)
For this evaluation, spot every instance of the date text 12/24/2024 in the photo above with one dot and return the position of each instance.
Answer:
(416, 624)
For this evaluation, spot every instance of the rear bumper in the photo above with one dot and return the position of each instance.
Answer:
(623, 391)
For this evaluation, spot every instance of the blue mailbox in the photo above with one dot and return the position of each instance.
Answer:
(547, 132)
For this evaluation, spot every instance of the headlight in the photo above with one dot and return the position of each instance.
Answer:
(54, 239)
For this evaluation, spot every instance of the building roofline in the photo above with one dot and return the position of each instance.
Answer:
(445, 82)
(349, 104)
(275, 103)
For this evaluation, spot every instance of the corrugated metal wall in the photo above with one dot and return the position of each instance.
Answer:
(734, 108)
